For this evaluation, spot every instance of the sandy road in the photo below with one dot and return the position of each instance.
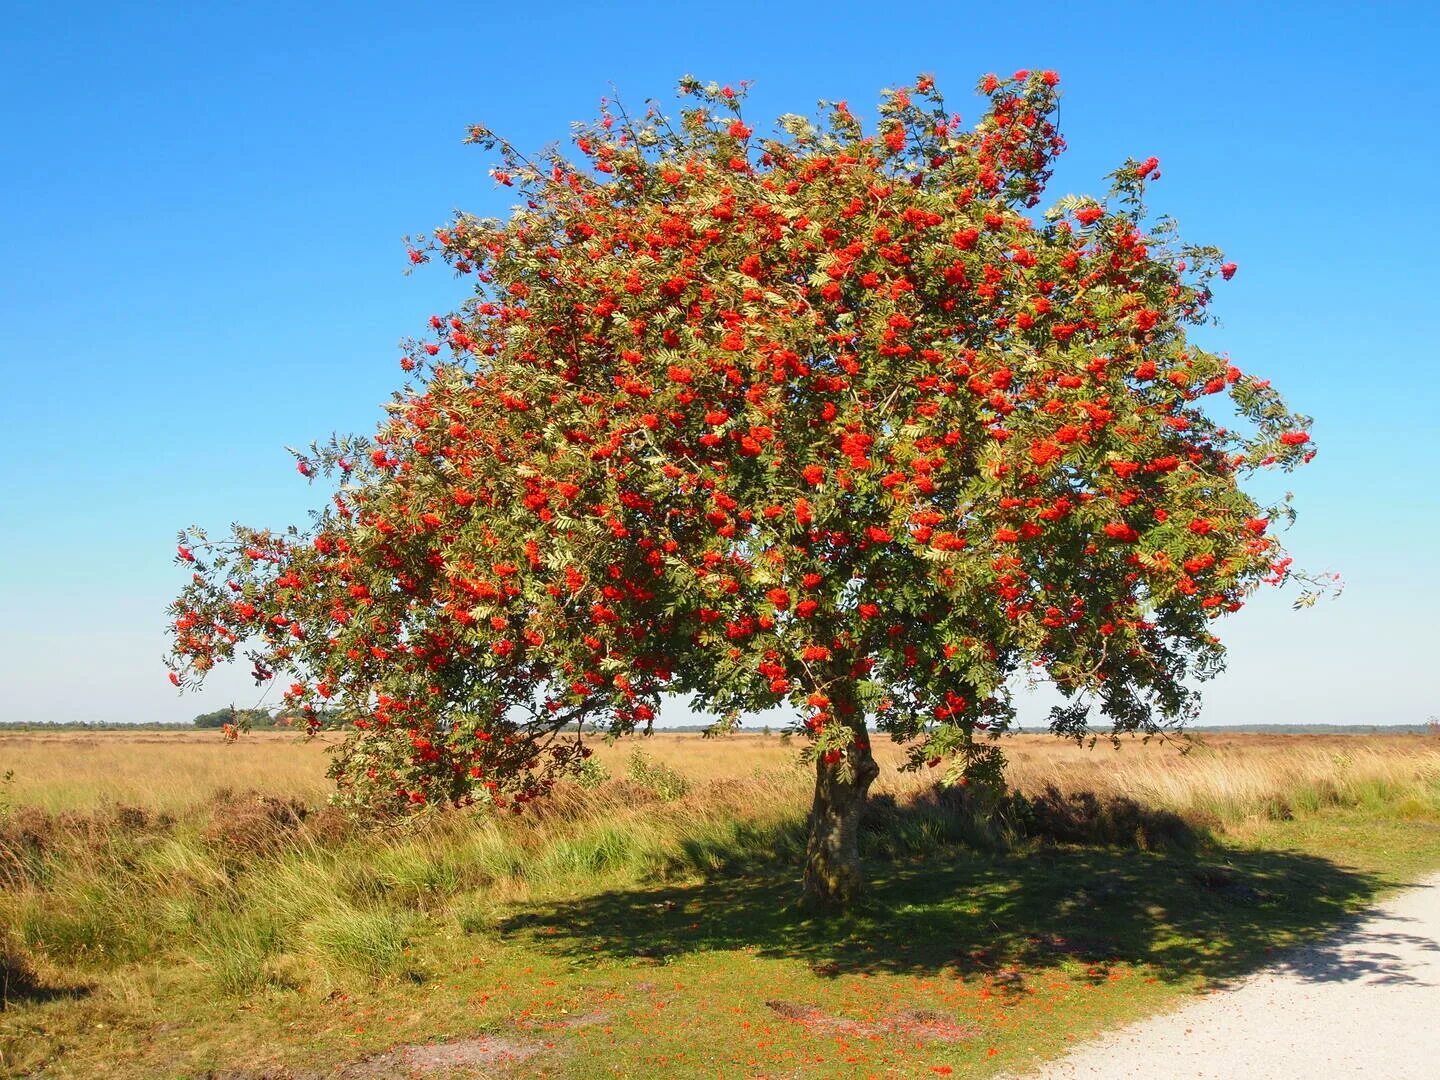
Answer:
(1364, 1003)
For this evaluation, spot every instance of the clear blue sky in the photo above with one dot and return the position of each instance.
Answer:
(202, 207)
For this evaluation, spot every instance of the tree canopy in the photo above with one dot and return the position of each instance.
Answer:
(831, 419)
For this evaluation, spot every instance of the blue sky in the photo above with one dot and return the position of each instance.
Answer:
(203, 204)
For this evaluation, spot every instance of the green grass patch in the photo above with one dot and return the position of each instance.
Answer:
(372, 943)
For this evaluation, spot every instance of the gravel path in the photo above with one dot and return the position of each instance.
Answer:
(1364, 1003)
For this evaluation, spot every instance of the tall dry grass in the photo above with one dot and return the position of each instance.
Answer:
(159, 770)
(1226, 780)
(1220, 778)
(257, 890)
(123, 849)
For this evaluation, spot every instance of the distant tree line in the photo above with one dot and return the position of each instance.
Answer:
(255, 719)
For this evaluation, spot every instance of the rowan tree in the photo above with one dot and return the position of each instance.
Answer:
(831, 420)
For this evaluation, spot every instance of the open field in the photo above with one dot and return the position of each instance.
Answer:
(177, 907)
(1229, 777)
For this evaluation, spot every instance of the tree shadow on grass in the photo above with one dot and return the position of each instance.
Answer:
(19, 986)
(1204, 912)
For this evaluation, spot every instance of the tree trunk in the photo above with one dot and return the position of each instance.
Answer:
(833, 876)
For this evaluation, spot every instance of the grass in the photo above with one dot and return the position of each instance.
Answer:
(643, 925)
(161, 771)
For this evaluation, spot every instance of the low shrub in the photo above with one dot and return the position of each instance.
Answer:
(941, 816)
(657, 778)
(251, 823)
(590, 774)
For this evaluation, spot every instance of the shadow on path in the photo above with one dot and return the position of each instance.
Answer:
(1371, 949)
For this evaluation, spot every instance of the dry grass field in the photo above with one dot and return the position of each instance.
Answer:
(1223, 779)
(172, 906)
